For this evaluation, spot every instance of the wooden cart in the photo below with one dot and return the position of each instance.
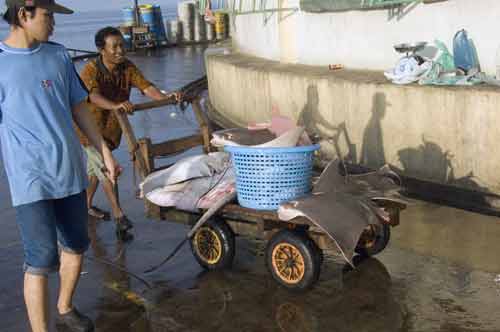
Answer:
(294, 250)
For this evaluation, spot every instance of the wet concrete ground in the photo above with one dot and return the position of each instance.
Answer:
(441, 271)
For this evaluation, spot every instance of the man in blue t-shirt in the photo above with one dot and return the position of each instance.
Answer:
(40, 97)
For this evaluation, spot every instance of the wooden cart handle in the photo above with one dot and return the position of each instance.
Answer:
(153, 104)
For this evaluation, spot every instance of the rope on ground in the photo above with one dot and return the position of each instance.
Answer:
(119, 268)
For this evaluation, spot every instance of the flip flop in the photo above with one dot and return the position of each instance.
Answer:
(98, 213)
(124, 223)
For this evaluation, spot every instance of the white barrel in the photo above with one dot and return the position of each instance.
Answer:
(210, 30)
(186, 12)
(174, 31)
(200, 32)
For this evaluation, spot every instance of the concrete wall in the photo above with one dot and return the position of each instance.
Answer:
(446, 135)
(365, 39)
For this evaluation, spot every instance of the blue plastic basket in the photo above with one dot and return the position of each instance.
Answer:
(267, 177)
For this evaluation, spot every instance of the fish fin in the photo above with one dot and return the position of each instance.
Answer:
(330, 179)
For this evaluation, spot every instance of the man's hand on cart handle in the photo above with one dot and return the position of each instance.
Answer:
(125, 107)
(178, 96)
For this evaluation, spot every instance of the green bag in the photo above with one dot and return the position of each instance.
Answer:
(445, 59)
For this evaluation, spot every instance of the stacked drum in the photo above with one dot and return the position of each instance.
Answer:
(162, 35)
(221, 25)
(200, 32)
(186, 11)
(210, 30)
(128, 14)
(152, 17)
(174, 31)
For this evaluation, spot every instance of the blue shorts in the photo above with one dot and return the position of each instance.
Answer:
(49, 225)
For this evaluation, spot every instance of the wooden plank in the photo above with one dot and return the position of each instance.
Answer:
(244, 229)
(178, 216)
(145, 148)
(238, 212)
(132, 144)
(175, 146)
(153, 211)
(203, 123)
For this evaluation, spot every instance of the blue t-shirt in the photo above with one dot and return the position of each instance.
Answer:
(41, 152)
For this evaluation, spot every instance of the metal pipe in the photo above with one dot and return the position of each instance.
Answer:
(136, 10)
(80, 51)
(153, 104)
(84, 56)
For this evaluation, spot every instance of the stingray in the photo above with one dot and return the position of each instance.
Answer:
(241, 136)
(257, 138)
(343, 206)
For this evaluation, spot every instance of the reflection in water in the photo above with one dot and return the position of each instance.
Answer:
(251, 301)
(420, 294)
(290, 318)
(115, 312)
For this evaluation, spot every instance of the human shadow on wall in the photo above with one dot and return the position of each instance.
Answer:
(372, 150)
(320, 129)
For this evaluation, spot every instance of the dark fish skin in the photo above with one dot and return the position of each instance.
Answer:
(343, 206)
(244, 136)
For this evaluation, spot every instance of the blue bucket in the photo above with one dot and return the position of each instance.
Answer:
(267, 177)
(128, 15)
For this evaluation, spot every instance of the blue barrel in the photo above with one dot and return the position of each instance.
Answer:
(147, 14)
(148, 18)
(128, 14)
(162, 35)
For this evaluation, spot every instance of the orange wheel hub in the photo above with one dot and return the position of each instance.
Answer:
(208, 246)
(288, 263)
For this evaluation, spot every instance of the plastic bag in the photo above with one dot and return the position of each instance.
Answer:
(465, 54)
(445, 58)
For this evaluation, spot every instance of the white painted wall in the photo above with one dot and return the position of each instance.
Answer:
(253, 36)
(365, 39)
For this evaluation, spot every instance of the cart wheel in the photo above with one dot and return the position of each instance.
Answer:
(374, 240)
(213, 245)
(293, 260)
